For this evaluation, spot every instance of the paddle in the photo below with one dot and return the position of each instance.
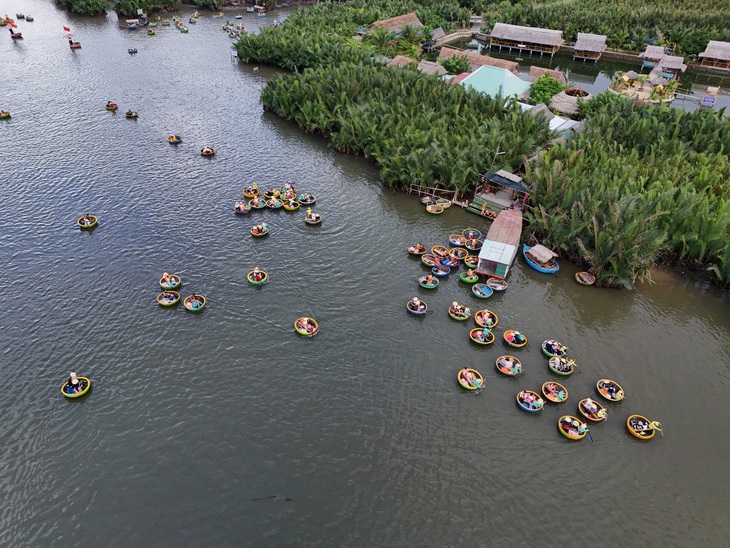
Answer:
(589, 435)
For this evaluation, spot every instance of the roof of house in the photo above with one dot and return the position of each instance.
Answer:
(717, 50)
(431, 67)
(437, 33)
(536, 72)
(396, 23)
(495, 81)
(459, 78)
(475, 60)
(653, 52)
(673, 62)
(401, 61)
(590, 42)
(532, 35)
(506, 179)
(567, 103)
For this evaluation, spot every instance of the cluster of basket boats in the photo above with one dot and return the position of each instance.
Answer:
(529, 401)
(285, 197)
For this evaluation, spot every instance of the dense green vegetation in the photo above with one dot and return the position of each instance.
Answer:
(419, 129)
(85, 7)
(641, 184)
(128, 8)
(543, 89)
(690, 24)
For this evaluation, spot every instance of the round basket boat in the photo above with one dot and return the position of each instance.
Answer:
(497, 284)
(486, 318)
(307, 199)
(529, 401)
(313, 219)
(459, 312)
(259, 231)
(426, 200)
(417, 307)
(257, 277)
(585, 278)
(572, 427)
(440, 271)
(112, 106)
(472, 233)
(274, 203)
(168, 298)
(611, 390)
(553, 348)
(554, 392)
(417, 249)
(481, 291)
(270, 193)
(207, 152)
(464, 277)
(87, 221)
(250, 192)
(641, 427)
(257, 203)
(440, 251)
(443, 202)
(448, 261)
(478, 380)
(131, 114)
(592, 410)
(458, 253)
(306, 327)
(434, 209)
(478, 336)
(515, 338)
(174, 282)
(174, 139)
(291, 205)
(561, 366)
(241, 208)
(190, 303)
(429, 259)
(457, 240)
(425, 284)
(4, 114)
(471, 261)
(84, 383)
(509, 366)
(473, 245)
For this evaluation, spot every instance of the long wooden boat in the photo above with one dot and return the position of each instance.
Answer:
(497, 284)
(585, 278)
(260, 230)
(168, 298)
(190, 300)
(478, 336)
(87, 221)
(515, 338)
(257, 277)
(554, 392)
(486, 318)
(561, 366)
(481, 291)
(440, 271)
(426, 284)
(553, 348)
(417, 307)
(546, 267)
(458, 253)
(611, 390)
(417, 249)
(440, 251)
(509, 366)
(501, 245)
(592, 410)
(434, 209)
(306, 327)
(84, 383)
(173, 282)
(459, 312)
(467, 279)
(529, 401)
(478, 380)
(641, 427)
(572, 427)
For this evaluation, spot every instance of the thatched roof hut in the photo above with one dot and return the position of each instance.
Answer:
(396, 24)
(431, 67)
(567, 100)
(653, 53)
(536, 72)
(672, 63)
(541, 253)
(716, 54)
(475, 60)
(437, 33)
(400, 61)
(630, 75)
(527, 35)
(589, 46)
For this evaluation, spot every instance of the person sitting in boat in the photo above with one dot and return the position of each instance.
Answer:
(417, 305)
(109, 104)
(590, 406)
(196, 301)
(468, 377)
(257, 275)
(86, 220)
(264, 227)
(527, 397)
(74, 386)
(485, 332)
(470, 273)
(167, 279)
(429, 279)
(168, 296)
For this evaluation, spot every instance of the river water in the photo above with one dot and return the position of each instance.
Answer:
(226, 428)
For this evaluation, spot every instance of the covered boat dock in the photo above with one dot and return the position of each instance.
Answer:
(530, 39)
(589, 47)
(500, 245)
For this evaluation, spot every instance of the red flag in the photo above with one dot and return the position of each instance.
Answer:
(66, 29)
